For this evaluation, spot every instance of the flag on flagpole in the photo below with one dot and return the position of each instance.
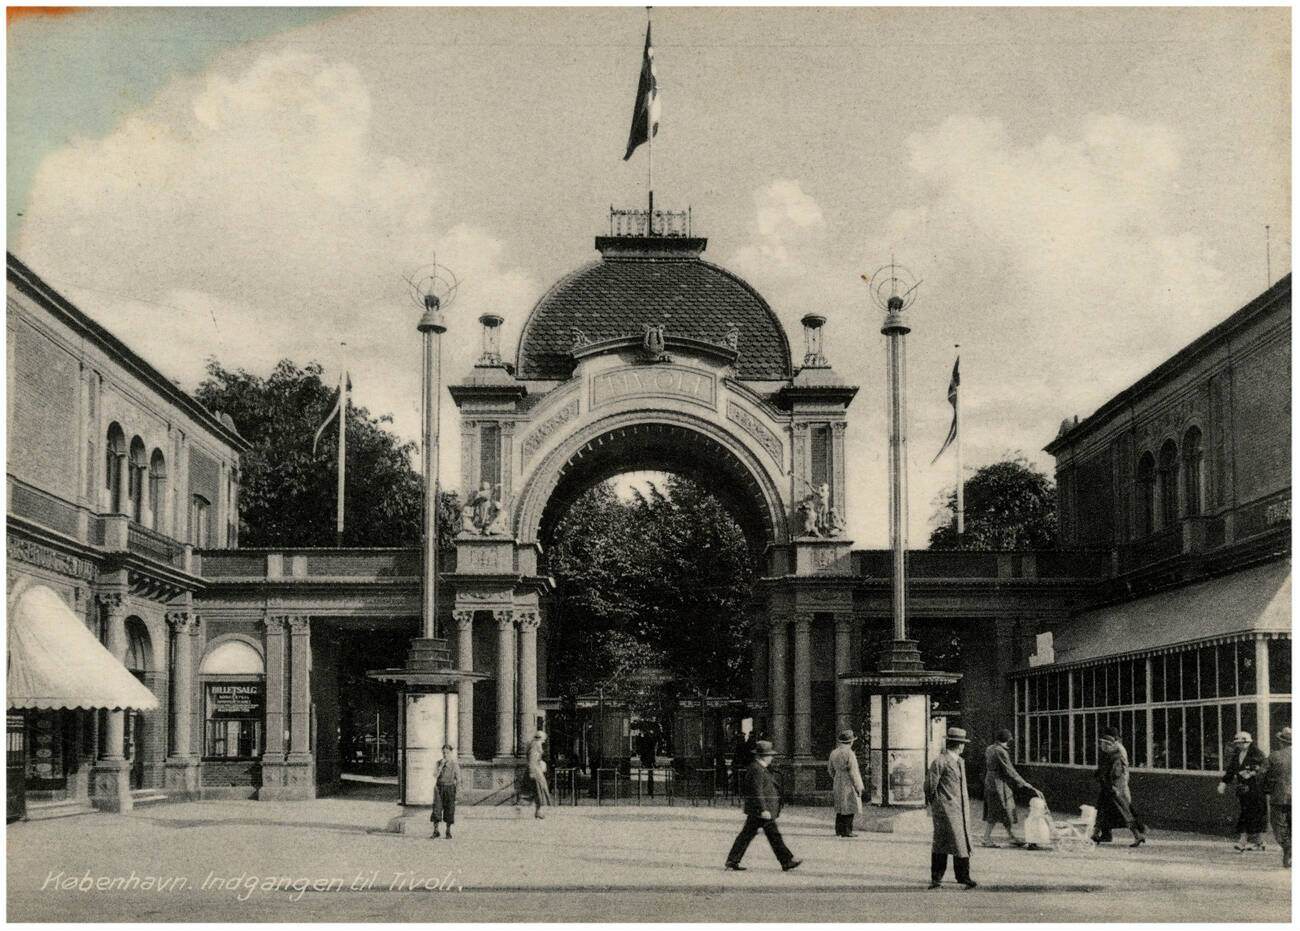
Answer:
(953, 385)
(645, 112)
(334, 412)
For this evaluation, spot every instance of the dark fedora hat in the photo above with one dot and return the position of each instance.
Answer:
(764, 748)
(847, 737)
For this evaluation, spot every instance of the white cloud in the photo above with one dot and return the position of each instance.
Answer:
(250, 214)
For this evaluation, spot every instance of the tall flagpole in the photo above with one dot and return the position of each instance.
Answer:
(650, 141)
(961, 491)
(343, 457)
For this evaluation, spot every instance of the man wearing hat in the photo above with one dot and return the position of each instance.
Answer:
(762, 807)
(1114, 798)
(949, 806)
(1244, 775)
(1277, 783)
(846, 784)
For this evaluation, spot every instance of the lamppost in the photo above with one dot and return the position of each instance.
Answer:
(900, 686)
(427, 700)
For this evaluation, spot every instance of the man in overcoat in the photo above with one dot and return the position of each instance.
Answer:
(1244, 775)
(1277, 783)
(762, 808)
(1115, 807)
(946, 798)
(846, 784)
(1000, 782)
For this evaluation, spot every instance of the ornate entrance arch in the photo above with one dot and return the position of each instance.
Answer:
(650, 358)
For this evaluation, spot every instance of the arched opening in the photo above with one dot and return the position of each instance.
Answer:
(1193, 491)
(1168, 485)
(139, 660)
(655, 534)
(200, 521)
(233, 678)
(1146, 495)
(135, 479)
(157, 490)
(114, 463)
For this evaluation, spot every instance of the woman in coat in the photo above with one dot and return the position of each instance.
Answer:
(846, 784)
(537, 773)
(1244, 774)
(1114, 801)
(1000, 781)
(946, 797)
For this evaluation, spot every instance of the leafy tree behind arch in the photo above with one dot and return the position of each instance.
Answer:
(1009, 505)
(287, 493)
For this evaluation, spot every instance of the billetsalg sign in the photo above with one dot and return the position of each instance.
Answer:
(234, 699)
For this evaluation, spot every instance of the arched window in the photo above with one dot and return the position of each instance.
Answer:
(1192, 456)
(234, 681)
(138, 658)
(1146, 495)
(1168, 481)
(200, 511)
(157, 489)
(135, 479)
(114, 462)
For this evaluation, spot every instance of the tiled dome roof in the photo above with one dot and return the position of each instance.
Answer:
(620, 293)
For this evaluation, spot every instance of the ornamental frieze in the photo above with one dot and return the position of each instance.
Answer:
(44, 557)
(757, 429)
(534, 440)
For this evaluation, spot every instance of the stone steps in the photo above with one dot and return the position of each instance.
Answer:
(141, 798)
(64, 808)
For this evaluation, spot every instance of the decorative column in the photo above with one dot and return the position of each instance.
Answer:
(273, 746)
(778, 691)
(112, 778)
(505, 683)
(182, 771)
(299, 781)
(465, 689)
(529, 621)
(843, 663)
(803, 686)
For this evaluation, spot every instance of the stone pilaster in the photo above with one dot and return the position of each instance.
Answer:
(465, 688)
(182, 766)
(273, 744)
(505, 683)
(803, 686)
(843, 663)
(299, 774)
(112, 777)
(779, 690)
(529, 620)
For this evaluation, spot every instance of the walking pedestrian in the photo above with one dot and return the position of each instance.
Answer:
(1277, 783)
(537, 773)
(1000, 781)
(1244, 775)
(846, 784)
(762, 808)
(949, 807)
(1114, 799)
(446, 778)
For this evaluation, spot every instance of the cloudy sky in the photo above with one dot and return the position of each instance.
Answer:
(1082, 191)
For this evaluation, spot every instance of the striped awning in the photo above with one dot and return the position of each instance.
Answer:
(55, 662)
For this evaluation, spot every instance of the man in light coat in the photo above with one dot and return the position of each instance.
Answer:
(1277, 783)
(846, 784)
(1000, 782)
(949, 806)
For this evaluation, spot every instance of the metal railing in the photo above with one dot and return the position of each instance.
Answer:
(641, 785)
(671, 223)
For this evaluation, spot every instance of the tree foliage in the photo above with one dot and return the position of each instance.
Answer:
(287, 493)
(1009, 505)
(656, 583)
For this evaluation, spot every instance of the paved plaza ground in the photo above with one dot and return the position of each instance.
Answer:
(590, 864)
